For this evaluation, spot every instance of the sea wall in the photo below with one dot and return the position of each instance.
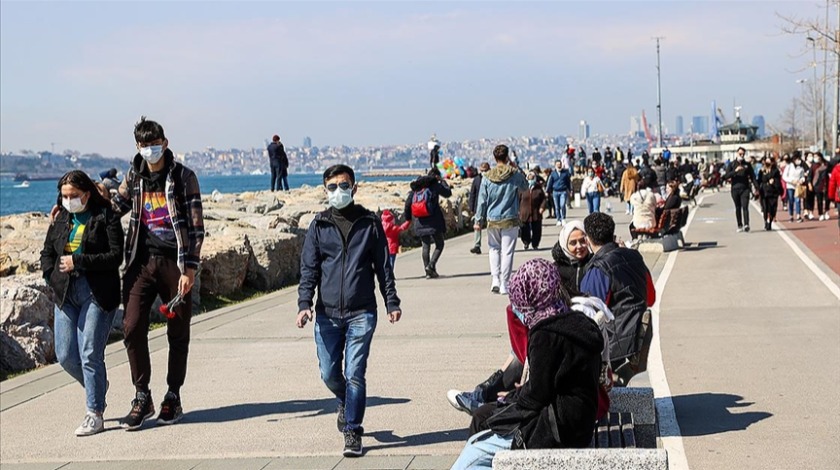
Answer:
(253, 240)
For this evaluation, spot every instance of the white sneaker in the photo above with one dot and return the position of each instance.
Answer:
(559, 223)
(92, 424)
(626, 212)
(810, 216)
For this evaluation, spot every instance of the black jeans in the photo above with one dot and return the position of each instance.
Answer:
(531, 233)
(741, 197)
(431, 262)
(279, 178)
(770, 205)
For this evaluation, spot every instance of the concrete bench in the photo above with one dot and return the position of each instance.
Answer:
(667, 235)
(624, 439)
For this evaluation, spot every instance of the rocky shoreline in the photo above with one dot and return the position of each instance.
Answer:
(253, 240)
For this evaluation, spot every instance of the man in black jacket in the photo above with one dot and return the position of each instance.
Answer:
(620, 278)
(472, 202)
(344, 249)
(279, 164)
(743, 185)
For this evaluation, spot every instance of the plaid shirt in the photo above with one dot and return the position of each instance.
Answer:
(184, 210)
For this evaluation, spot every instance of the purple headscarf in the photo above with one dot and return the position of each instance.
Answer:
(536, 291)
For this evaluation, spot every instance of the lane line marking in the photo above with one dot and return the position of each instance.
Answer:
(669, 428)
(832, 287)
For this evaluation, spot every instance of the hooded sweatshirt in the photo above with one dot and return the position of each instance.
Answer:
(498, 197)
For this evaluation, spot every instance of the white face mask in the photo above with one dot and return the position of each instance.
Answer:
(340, 198)
(152, 153)
(73, 205)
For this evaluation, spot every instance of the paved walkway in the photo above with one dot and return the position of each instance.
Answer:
(254, 399)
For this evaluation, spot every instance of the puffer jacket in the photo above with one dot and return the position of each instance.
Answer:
(498, 197)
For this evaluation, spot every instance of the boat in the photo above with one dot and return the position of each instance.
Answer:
(23, 184)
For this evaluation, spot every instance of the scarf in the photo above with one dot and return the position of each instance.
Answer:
(536, 291)
(565, 233)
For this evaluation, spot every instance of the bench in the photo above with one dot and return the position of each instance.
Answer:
(626, 438)
(667, 231)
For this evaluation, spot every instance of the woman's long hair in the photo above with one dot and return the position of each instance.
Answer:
(81, 181)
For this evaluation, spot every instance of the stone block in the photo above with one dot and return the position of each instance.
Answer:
(574, 459)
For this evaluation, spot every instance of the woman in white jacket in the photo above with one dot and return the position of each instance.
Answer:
(591, 189)
(794, 175)
(644, 207)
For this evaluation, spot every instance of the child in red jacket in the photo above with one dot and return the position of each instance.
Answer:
(392, 233)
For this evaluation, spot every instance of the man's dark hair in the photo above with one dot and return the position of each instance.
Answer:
(600, 228)
(500, 153)
(339, 169)
(147, 131)
(741, 148)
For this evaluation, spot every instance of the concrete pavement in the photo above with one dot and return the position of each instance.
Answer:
(739, 319)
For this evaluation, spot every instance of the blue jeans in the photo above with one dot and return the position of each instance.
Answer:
(593, 200)
(480, 449)
(560, 199)
(345, 341)
(393, 260)
(81, 333)
(793, 201)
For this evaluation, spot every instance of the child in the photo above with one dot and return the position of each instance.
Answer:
(392, 233)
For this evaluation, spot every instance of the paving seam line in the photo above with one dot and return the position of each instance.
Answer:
(669, 428)
(798, 251)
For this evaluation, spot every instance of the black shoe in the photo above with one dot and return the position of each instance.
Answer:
(142, 408)
(746, 228)
(476, 250)
(767, 226)
(526, 246)
(352, 443)
(431, 273)
(494, 289)
(341, 421)
(170, 409)
(535, 247)
(488, 390)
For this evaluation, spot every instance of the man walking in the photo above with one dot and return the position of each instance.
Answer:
(279, 165)
(498, 204)
(472, 202)
(162, 256)
(558, 186)
(344, 249)
(620, 278)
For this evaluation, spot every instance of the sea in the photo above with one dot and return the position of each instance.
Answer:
(41, 195)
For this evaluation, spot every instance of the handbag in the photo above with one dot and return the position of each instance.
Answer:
(600, 187)
(799, 191)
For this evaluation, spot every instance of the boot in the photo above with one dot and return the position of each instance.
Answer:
(486, 391)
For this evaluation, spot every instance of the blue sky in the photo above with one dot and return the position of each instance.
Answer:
(230, 74)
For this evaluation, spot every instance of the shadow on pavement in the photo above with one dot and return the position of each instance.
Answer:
(446, 276)
(389, 440)
(701, 246)
(703, 414)
(242, 411)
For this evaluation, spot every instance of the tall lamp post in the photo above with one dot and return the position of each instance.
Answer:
(801, 81)
(658, 94)
(818, 105)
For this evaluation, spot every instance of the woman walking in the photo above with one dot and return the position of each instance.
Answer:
(422, 204)
(531, 208)
(82, 254)
(794, 178)
(592, 188)
(770, 188)
(629, 180)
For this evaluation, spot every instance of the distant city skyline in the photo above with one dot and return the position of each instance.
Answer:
(228, 74)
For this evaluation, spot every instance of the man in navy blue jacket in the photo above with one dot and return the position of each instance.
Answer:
(344, 249)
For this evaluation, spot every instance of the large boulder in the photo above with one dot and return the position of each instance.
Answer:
(26, 318)
(13, 357)
(275, 262)
(224, 263)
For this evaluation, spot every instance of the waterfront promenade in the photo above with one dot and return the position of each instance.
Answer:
(747, 331)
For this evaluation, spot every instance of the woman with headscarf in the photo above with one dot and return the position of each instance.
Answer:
(571, 253)
(556, 407)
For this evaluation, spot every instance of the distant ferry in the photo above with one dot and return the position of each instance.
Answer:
(24, 184)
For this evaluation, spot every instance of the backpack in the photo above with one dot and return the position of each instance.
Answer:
(421, 203)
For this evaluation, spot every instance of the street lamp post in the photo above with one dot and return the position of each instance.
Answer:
(801, 81)
(817, 103)
(658, 95)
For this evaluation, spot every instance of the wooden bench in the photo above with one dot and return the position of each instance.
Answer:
(626, 438)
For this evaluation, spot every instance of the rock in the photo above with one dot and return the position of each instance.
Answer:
(275, 262)
(25, 300)
(13, 358)
(38, 341)
(224, 263)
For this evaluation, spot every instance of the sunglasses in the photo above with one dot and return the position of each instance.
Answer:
(343, 185)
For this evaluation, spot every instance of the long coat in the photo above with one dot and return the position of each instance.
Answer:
(629, 180)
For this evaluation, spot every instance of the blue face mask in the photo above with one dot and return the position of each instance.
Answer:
(152, 153)
(532, 183)
(518, 314)
(340, 198)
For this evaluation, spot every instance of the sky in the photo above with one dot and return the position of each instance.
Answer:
(78, 75)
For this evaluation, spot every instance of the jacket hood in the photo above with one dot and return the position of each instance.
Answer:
(577, 328)
(422, 182)
(500, 173)
(387, 217)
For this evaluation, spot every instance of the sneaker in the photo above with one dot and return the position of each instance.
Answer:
(431, 273)
(476, 250)
(92, 424)
(142, 408)
(352, 443)
(747, 228)
(494, 289)
(526, 246)
(740, 229)
(170, 409)
(559, 223)
(340, 421)
(462, 401)
(810, 216)
(535, 247)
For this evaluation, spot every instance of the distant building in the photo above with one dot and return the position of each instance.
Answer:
(636, 125)
(758, 122)
(583, 132)
(678, 128)
(700, 124)
(307, 142)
